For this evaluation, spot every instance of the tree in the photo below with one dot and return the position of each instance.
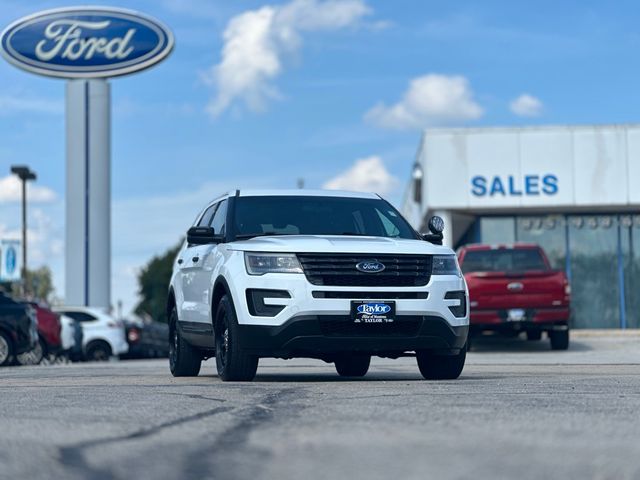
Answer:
(153, 284)
(39, 285)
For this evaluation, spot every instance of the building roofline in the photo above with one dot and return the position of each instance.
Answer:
(527, 128)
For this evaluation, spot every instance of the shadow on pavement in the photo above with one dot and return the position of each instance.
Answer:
(496, 343)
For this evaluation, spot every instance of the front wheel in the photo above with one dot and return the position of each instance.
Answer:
(232, 362)
(184, 360)
(353, 365)
(441, 367)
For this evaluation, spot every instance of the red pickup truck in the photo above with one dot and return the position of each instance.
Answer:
(513, 289)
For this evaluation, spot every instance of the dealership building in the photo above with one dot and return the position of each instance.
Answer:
(574, 190)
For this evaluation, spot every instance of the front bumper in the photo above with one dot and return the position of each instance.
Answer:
(306, 299)
(322, 335)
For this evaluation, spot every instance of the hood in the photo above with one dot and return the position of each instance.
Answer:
(337, 244)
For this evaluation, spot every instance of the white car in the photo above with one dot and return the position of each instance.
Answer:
(337, 276)
(102, 335)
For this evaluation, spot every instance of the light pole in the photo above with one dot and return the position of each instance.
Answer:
(25, 174)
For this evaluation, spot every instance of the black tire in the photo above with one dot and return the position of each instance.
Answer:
(98, 351)
(441, 367)
(34, 356)
(184, 359)
(232, 362)
(534, 335)
(353, 365)
(559, 339)
(6, 349)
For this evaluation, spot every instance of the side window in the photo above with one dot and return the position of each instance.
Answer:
(220, 218)
(80, 316)
(205, 221)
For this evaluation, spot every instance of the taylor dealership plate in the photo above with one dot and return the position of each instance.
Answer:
(363, 311)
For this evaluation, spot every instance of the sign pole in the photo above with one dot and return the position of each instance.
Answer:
(88, 193)
(24, 236)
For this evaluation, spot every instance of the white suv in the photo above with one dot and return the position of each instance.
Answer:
(102, 335)
(337, 276)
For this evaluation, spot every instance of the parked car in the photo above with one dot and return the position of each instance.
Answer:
(49, 336)
(513, 289)
(18, 328)
(339, 276)
(147, 339)
(71, 337)
(102, 335)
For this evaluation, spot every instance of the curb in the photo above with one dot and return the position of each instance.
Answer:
(605, 332)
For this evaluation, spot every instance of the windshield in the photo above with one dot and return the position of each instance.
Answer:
(307, 215)
(503, 260)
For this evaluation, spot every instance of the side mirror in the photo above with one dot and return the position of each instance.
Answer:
(436, 227)
(203, 236)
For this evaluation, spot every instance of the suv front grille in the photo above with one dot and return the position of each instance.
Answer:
(339, 269)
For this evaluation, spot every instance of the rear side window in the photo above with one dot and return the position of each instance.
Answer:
(503, 260)
(80, 316)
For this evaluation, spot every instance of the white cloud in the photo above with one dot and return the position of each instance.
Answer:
(256, 43)
(17, 103)
(430, 100)
(366, 175)
(526, 106)
(11, 191)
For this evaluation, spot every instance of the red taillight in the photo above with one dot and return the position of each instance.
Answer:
(133, 335)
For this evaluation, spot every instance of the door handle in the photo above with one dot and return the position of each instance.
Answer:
(180, 261)
(195, 259)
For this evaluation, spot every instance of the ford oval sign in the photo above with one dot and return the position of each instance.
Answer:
(88, 42)
(370, 266)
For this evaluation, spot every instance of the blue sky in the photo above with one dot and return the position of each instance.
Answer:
(353, 80)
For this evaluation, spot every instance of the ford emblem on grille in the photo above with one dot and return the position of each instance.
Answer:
(370, 266)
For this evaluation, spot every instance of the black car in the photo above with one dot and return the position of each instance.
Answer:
(18, 328)
(146, 339)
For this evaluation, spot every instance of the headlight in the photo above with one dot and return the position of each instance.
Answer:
(445, 265)
(261, 263)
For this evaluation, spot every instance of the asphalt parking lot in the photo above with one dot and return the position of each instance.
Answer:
(518, 411)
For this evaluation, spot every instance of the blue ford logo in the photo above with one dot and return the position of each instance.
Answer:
(85, 42)
(374, 308)
(370, 266)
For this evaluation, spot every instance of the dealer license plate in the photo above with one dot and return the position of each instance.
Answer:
(373, 312)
